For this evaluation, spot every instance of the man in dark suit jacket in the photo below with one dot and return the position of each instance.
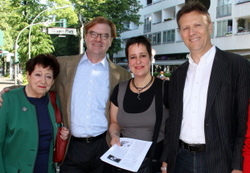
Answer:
(208, 102)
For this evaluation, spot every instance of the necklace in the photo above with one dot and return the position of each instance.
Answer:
(139, 89)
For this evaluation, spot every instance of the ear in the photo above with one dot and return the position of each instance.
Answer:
(53, 82)
(210, 27)
(111, 40)
(28, 76)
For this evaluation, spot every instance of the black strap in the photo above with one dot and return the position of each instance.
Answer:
(159, 91)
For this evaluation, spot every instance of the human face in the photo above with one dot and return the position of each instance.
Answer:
(139, 60)
(97, 47)
(195, 32)
(40, 81)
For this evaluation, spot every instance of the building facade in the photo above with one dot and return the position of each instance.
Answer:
(231, 30)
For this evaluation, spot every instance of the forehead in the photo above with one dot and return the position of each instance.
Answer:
(101, 28)
(39, 67)
(137, 46)
(194, 16)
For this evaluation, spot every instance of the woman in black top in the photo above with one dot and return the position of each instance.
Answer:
(139, 106)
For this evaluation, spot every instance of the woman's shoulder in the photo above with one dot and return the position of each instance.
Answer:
(14, 92)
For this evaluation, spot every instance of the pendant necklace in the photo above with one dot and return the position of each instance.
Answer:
(139, 89)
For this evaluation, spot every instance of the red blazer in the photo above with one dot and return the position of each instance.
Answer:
(246, 149)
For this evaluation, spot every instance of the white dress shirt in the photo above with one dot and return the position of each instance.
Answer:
(195, 98)
(89, 98)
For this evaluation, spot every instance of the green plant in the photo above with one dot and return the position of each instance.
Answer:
(241, 24)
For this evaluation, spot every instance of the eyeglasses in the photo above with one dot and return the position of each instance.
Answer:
(95, 35)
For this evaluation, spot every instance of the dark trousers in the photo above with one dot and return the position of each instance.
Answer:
(84, 157)
(190, 161)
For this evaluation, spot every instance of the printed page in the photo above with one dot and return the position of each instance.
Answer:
(129, 155)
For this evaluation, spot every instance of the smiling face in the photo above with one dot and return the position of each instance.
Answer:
(195, 32)
(139, 60)
(97, 47)
(40, 81)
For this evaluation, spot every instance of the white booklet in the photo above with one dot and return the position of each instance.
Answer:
(129, 155)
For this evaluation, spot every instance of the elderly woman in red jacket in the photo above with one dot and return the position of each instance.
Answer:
(246, 149)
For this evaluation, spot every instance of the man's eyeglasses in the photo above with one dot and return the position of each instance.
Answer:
(95, 35)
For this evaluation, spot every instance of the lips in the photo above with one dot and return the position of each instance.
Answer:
(97, 45)
(139, 67)
(41, 86)
(195, 39)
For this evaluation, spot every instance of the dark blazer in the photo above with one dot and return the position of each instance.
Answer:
(225, 116)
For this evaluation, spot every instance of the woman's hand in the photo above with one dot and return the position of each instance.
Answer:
(115, 139)
(64, 133)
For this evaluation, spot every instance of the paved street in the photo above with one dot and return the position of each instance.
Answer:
(5, 82)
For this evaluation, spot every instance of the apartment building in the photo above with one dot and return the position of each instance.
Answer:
(231, 29)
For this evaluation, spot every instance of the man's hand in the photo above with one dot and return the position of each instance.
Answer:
(236, 171)
(164, 167)
(1, 93)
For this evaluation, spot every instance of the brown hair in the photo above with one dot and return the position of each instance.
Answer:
(139, 40)
(101, 19)
(45, 60)
(190, 7)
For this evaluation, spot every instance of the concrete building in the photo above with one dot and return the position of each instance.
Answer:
(231, 29)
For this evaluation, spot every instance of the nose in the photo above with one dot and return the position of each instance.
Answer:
(192, 31)
(138, 60)
(98, 38)
(43, 79)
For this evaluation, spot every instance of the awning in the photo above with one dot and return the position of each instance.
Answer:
(161, 62)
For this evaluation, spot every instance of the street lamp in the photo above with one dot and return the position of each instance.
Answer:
(56, 8)
(153, 60)
(16, 47)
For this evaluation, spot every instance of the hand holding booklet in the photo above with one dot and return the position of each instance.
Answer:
(129, 155)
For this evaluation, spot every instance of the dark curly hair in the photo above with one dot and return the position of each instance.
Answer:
(46, 60)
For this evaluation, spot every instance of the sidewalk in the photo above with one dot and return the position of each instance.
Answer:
(5, 82)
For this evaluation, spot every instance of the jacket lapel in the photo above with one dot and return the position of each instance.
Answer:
(218, 68)
(181, 76)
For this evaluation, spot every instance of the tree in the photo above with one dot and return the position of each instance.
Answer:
(24, 11)
(5, 13)
(118, 11)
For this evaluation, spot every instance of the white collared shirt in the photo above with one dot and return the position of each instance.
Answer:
(195, 98)
(89, 97)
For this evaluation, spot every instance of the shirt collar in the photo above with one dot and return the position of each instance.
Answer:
(85, 59)
(206, 58)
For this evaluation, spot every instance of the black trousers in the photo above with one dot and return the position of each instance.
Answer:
(84, 157)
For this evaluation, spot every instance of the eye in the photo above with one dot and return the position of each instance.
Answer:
(132, 57)
(105, 36)
(49, 77)
(37, 74)
(93, 33)
(185, 28)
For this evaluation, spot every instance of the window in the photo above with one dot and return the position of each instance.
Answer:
(149, 2)
(155, 38)
(147, 24)
(224, 27)
(169, 36)
(224, 8)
